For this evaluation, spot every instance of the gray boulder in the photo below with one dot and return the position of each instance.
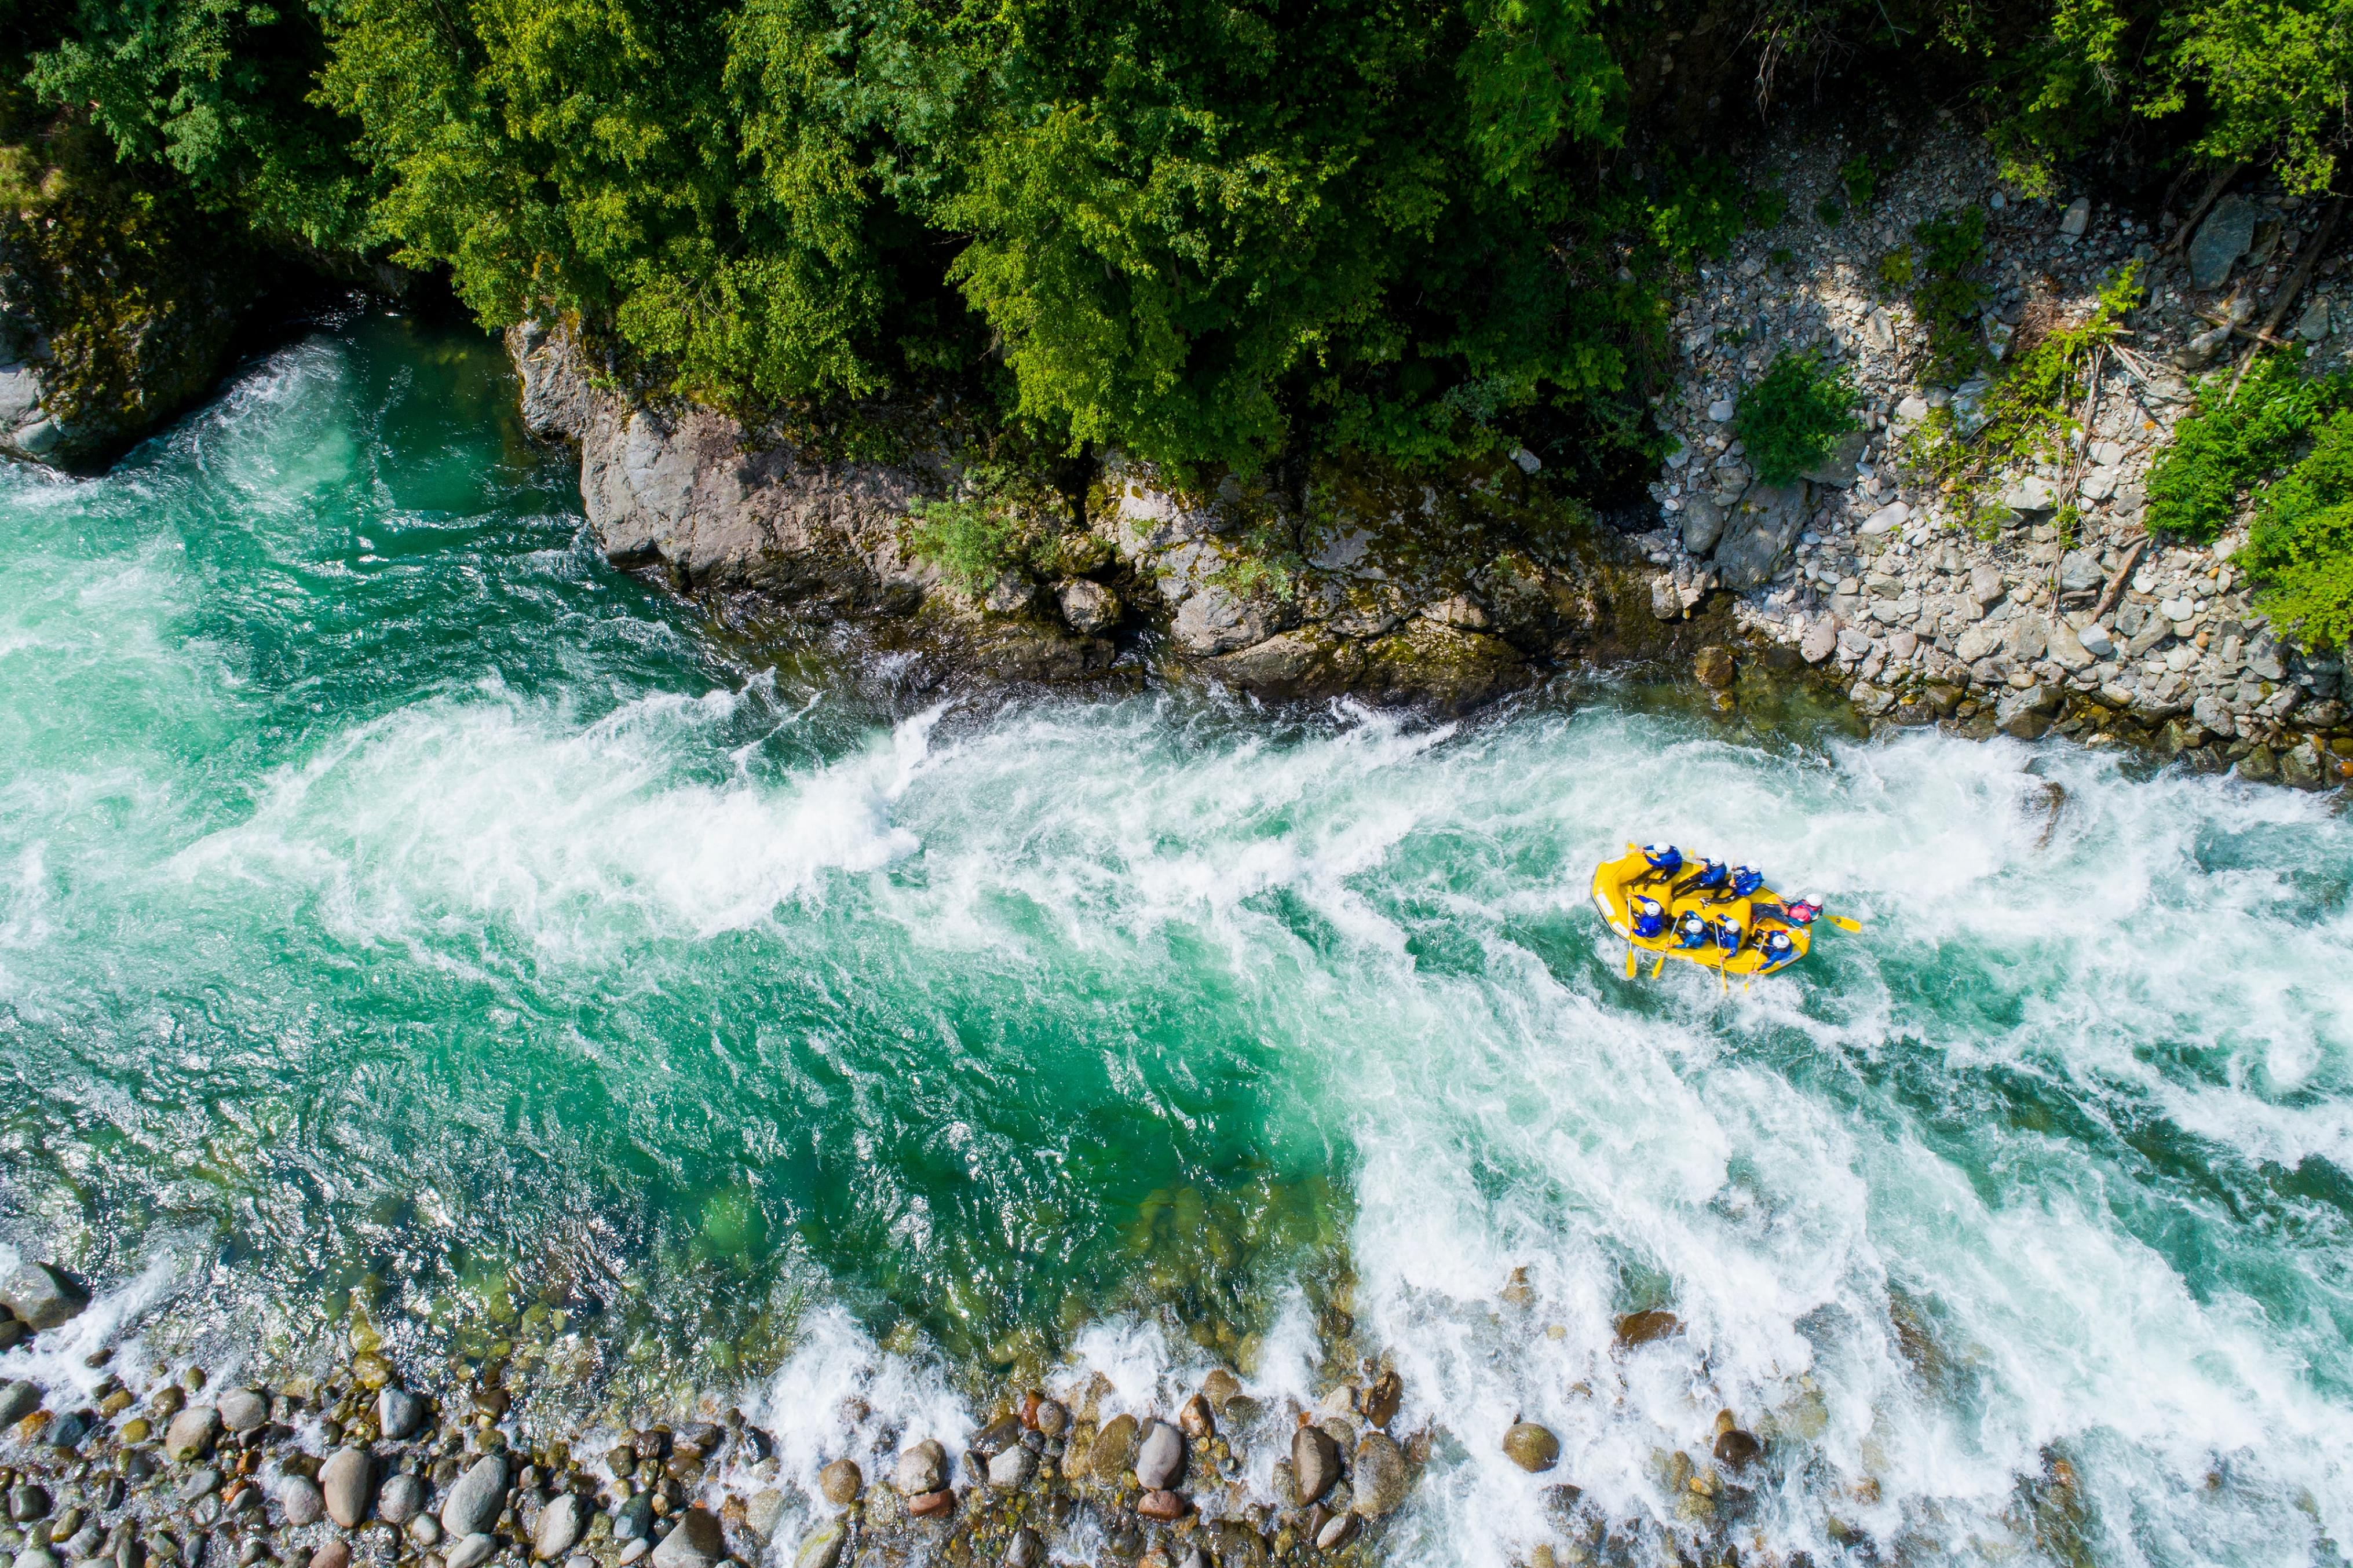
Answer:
(398, 1413)
(1214, 621)
(766, 1510)
(43, 1295)
(347, 1481)
(1703, 524)
(2221, 240)
(561, 1525)
(1314, 1461)
(2079, 571)
(696, 1542)
(241, 1409)
(1013, 1467)
(1160, 1462)
(2026, 714)
(472, 1551)
(402, 1500)
(18, 1400)
(190, 1434)
(1088, 607)
(473, 1504)
(923, 1468)
(1758, 533)
(301, 1498)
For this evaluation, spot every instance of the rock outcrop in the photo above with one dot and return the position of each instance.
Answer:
(2057, 613)
(1394, 594)
(118, 305)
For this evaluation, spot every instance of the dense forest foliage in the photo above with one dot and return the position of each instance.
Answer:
(1209, 232)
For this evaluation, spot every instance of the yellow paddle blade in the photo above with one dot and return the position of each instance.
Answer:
(1629, 961)
(1658, 966)
(1843, 923)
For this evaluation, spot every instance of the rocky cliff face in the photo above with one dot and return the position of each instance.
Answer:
(2065, 616)
(1395, 594)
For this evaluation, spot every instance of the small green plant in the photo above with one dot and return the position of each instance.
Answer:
(1829, 212)
(1789, 419)
(1858, 176)
(2301, 547)
(1782, 256)
(2230, 444)
(1950, 251)
(2027, 416)
(973, 542)
(1895, 269)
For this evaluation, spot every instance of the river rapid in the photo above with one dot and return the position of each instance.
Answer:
(410, 927)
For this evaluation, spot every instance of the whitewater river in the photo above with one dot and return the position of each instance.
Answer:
(404, 917)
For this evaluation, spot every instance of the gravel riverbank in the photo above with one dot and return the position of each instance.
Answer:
(156, 1465)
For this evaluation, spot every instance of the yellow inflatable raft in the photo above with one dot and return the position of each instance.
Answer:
(1616, 883)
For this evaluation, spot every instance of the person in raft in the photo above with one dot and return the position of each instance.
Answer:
(1710, 876)
(1650, 919)
(1692, 930)
(1777, 948)
(1803, 911)
(1728, 935)
(1665, 862)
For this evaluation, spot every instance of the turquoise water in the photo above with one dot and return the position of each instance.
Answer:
(409, 926)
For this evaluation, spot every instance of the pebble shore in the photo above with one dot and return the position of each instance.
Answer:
(1863, 567)
(154, 1467)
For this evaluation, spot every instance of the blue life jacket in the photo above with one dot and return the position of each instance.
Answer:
(1664, 859)
(1727, 935)
(1692, 931)
(1650, 919)
(1746, 880)
(1710, 874)
(1779, 948)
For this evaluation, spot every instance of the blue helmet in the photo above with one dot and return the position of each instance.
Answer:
(1663, 857)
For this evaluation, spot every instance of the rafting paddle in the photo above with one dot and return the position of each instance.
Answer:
(1658, 965)
(1842, 922)
(1629, 961)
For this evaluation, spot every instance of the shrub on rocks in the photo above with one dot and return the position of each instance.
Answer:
(1789, 420)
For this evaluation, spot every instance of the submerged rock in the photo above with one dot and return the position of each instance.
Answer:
(190, 1434)
(1380, 1476)
(299, 1498)
(696, 1542)
(1531, 1446)
(1114, 1449)
(840, 1482)
(42, 1295)
(471, 1551)
(823, 1547)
